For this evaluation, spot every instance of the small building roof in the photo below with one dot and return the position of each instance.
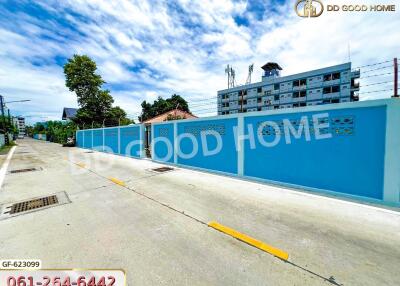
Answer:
(271, 66)
(69, 113)
(164, 116)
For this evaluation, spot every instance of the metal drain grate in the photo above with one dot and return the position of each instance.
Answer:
(23, 170)
(33, 204)
(163, 169)
(89, 152)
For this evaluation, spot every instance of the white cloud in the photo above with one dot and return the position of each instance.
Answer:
(147, 48)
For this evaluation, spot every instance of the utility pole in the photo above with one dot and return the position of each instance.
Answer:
(3, 120)
(2, 109)
(396, 78)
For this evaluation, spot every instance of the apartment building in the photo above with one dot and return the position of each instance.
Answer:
(333, 84)
(20, 123)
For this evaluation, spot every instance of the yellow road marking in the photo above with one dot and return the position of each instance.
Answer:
(81, 165)
(249, 240)
(116, 181)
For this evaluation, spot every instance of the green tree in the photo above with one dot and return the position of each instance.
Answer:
(161, 105)
(56, 131)
(94, 102)
(117, 116)
(29, 130)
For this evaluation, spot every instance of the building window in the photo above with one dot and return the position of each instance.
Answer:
(259, 100)
(303, 104)
(276, 106)
(331, 89)
(296, 83)
(336, 100)
(295, 105)
(335, 88)
(326, 90)
(296, 94)
(276, 97)
(276, 86)
(332, 76)
(303, 93)
(303, 82)
(259, 89)
(268, 92)
(327, 77)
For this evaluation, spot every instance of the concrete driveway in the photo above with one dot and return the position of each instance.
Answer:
(154, 225)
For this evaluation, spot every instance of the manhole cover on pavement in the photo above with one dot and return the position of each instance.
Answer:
(163, 169)
(33, 204)
(23, 170)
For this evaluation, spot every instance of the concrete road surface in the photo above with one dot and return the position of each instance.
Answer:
(155, 227)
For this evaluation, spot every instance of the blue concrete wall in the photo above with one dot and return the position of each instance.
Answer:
(223, 161)
(79, 139)
(130, 141)
(354, 161)
(98, 139)
(130, 144)
(161, 134)
(111, 140)
(350, 162)
(88, 139)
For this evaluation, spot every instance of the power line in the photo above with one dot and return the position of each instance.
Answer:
(385, 67)
(205, 99)
(372, 91)
(215, 108)
(375, 64)
(374, 75)
(203, 104)
(377, 83)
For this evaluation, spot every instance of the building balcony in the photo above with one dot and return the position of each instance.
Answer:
(299, 99)
(354, 96)
(331, 82)
(250, 95)
(299, 87)
(251, 105)
(355, 74)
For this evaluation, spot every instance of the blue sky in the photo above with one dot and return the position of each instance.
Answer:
(146, 49)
